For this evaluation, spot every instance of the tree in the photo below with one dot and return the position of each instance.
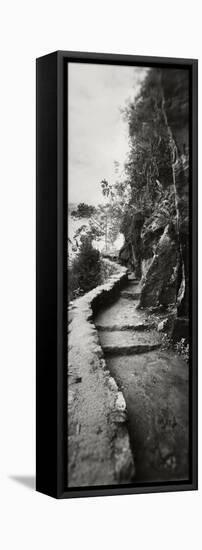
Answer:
(86, 268)
(83, 211)
(149, 160)
(103, 221)
(148, 167)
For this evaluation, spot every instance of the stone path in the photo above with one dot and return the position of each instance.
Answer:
(99, 451)
(154, 383)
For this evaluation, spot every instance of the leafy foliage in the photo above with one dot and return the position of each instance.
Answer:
(83, 211)
(105, 219)
(85, 272)
(149, 169)
(148, 166)
(182, 348)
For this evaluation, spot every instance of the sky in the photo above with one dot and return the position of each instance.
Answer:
(97, 132)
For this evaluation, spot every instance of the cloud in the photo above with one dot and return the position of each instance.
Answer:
(96, 129)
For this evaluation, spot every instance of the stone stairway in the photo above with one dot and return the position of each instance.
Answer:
(129, 341)
(155, 386)
(132, 291)
(121, 338)
(131, 294)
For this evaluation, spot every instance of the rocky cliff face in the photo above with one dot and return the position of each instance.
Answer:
(131, 252)
(157, 238)
(181, 174)
(160, 282)
(177, 111)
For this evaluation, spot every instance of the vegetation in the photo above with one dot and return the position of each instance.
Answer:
(151, 198)
(103, 221)
(85, 271)
(157, 123)
(83, 211)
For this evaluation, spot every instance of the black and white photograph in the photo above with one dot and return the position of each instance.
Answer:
(129, 292)
(100, 390)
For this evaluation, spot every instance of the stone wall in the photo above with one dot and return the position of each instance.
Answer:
(108, 268)
(98, 443)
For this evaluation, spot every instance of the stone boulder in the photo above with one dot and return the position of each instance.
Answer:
(159, 286)
(131, 252)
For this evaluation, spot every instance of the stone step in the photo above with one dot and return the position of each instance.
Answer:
(129, 350)
(121, 312)
(133, 281)
(130, 295)
(132, 277)
(129, 326)
(128, 342)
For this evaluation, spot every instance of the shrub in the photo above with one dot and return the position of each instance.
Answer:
(182, 348)
(85, 272)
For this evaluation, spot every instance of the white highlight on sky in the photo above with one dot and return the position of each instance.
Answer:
(97, 132)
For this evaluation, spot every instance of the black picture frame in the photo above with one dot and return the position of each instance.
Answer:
(51, 273)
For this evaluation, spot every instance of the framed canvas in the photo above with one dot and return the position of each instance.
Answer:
(116, 374)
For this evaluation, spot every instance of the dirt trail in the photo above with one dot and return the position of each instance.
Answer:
(155, 386)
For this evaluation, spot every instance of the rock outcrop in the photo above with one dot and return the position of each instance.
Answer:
(160, 282)
(157, 234)
(177, 112)
(131, 252)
